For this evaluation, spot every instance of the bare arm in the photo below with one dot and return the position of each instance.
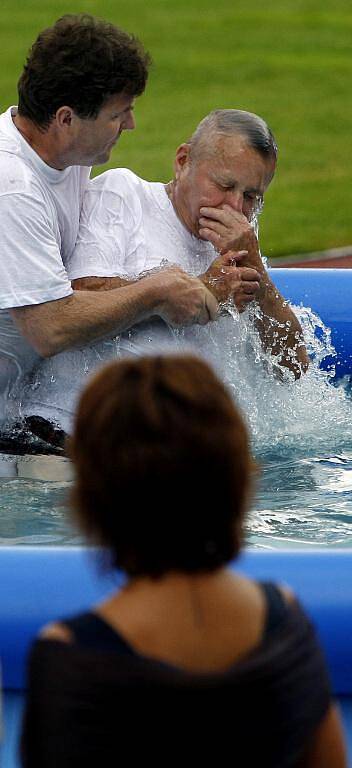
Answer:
(278, 326)
(222, 279)
(327, 747)
(99, 283)
(85, 316)
(279, 329)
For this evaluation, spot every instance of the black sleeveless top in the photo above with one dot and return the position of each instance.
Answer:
(96, 702)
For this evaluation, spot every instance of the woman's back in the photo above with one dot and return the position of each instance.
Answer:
(108, 695)
(200, 623)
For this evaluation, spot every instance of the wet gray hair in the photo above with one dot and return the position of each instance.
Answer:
(227, 122)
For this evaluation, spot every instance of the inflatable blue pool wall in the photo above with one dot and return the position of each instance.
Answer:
(40, 584)
(329, 294)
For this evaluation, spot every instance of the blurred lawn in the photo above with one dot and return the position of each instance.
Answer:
(288, 60)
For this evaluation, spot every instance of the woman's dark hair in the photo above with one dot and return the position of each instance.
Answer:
(80, 62)
(162, 466)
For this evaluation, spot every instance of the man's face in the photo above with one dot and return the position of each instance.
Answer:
(94, 138)
(233, 174)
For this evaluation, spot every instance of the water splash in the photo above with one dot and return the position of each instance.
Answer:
(284, 415)
(303, 417)
(301, 433)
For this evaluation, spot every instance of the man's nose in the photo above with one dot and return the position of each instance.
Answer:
(129, 122)
(235, 200)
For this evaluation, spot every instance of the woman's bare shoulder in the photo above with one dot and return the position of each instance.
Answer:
(56, 631)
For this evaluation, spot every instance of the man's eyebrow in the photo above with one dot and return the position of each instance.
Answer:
(227, 179)
(232, 181)
(126, 109)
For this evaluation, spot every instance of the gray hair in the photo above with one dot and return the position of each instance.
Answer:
(227, 122)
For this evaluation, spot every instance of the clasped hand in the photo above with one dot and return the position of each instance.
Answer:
(226, 228)
(227, 281)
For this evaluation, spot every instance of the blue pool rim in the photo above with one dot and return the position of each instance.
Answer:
(329, 294)
(40, 584)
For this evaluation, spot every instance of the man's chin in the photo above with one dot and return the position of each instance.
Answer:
(102, 158)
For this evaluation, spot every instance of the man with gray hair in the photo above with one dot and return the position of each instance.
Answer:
(204, 221)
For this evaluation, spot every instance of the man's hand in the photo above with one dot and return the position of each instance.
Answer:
(229, 230)
(185, 300)
(228, 281)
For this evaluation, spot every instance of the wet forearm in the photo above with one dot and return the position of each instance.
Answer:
(279, 329)
(86, 316)
(99, 283)
(83, 317)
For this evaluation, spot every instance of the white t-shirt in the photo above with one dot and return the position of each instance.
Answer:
(39, 217)
(127, 226)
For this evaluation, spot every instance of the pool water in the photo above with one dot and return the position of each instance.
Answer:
(299, 502)
(303, 502)
(301, 434)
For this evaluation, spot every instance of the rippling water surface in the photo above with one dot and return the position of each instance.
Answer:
(299, 502)
(302, 502)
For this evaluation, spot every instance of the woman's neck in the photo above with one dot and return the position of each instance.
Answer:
(198, 622)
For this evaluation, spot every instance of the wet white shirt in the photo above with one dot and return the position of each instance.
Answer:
(39, 218)
(127, 226)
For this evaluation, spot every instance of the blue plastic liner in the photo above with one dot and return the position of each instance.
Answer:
(39, 584)
(329, 293)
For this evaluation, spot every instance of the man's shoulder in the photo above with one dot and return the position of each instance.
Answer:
(18, 178)
(15, 175)
(118, 190)
(10, 147)
(116, 180)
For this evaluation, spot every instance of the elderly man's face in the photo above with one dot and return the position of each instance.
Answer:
(232, 174)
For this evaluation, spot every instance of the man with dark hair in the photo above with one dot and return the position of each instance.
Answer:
(76, 96)
(83, 61)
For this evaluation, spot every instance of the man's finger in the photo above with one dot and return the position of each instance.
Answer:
(249, 274)
(208, 234)
(231, 257)
(225, 215)
(214, 214)
(250, 287)
(212, 224)
(211, 305)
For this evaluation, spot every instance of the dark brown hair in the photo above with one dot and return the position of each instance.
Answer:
(162, 465)
(80, 62)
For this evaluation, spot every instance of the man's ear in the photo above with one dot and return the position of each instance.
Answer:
(182, 158)
(64, 117)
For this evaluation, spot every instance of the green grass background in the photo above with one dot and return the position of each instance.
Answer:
(289, 61)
